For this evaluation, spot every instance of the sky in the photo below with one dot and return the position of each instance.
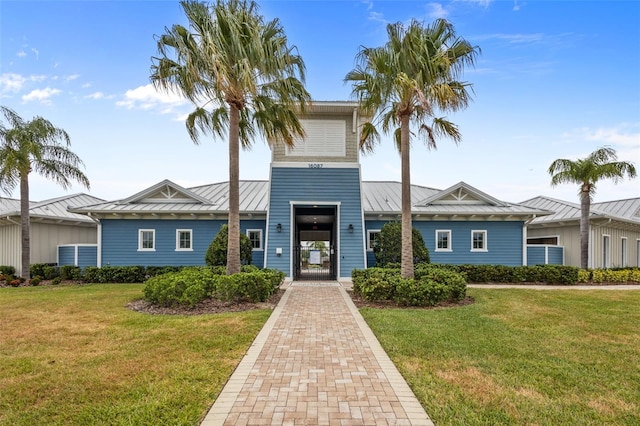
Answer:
(555, 79)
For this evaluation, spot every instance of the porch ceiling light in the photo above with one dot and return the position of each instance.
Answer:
(279, 227)
(351, 228)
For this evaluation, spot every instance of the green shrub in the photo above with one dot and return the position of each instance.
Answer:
(70, 272)
(186, 287)
(152, 271)
(35, 281)
(455, 282)
(47, 271)
(7, 270)
(388, 245)
(56, 281)
(245, 286)
(194, 284)
(610, 276)
(584, 276)
(375, 284)
(217, 252)
(115, 274)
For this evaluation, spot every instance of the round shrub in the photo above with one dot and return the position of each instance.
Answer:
(217, 252)
(186, 287)
(388, 245)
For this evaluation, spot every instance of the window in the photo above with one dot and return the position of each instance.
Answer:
(443, 240)
(550, 241)
(372, 235)
(606, 251)
(255, 235)
(146, 240)
(623, 248)
(184, 240)
(478, 240)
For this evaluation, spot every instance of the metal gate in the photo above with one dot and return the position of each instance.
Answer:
(315, 263)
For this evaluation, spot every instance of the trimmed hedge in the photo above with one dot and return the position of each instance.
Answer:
(196, 284)
(432, 285)
(7, 270)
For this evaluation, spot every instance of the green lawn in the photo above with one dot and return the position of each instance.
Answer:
(77, 355)
(521, 356)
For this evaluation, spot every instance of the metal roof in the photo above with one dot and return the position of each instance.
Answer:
(564, 211)
(380, 198)
(52, 209)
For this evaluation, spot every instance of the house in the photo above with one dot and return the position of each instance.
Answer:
(314, 217)
(614, 230)
(52, 225)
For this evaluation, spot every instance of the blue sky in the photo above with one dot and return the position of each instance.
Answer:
(556, 79)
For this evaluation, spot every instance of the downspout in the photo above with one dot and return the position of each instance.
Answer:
(98, 240)
(13, 221)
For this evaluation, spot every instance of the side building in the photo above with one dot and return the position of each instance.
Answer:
(52, 226)
(314, 218)
(614, 231)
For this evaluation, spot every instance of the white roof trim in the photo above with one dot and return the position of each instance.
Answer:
(462, 193)
(171, 192)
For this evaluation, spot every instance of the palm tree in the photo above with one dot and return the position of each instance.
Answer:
(39, 146)
(586, 172)
(400, 84)
(241, 76)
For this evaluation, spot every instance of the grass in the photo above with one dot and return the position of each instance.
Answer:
(77, 355)
(521, 357)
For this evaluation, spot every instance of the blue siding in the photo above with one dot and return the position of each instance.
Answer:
(66, 255)
(87, 256)
(504, 241)
(545, 255)
(316, 185)
(120, 241)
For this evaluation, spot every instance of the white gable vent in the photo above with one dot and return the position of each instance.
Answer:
(325, 138)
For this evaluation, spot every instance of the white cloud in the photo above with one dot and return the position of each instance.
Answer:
(41, 95)
(147, 97)
(437, 11)
(86, 85)
(377, 17)
(10, 82)
(513, 38)
(96, 95)
(72, 77)
(21, 54)
(34, 50)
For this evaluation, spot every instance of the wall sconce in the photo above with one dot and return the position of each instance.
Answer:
(351, 228)
(279, 227)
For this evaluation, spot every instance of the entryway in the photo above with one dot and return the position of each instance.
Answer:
(315, 243)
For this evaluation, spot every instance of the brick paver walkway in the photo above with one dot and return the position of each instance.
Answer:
(316, 362)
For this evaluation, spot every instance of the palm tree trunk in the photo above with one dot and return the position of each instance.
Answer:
(233, 245)
(585, 207)
(25, 225)
(406, 269)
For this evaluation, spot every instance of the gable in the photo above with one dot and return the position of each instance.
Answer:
(165, 192)
(461, 194)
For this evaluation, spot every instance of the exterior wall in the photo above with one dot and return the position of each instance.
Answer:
(504, 241)
(45, 239)
(540, 254)
(120, 241)
(568, 237)
(316, 186)
(10, 246)
(81, 255)
(615, 238)
(279, 150)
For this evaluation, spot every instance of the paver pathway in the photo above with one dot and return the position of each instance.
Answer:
(316, 362)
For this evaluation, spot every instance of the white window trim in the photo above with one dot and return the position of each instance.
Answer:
(624, 252)
(484, 239)
(153, 234)
(261, 240)
(178, 231)
(369, 232)
(449, 242)
(606, 251)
